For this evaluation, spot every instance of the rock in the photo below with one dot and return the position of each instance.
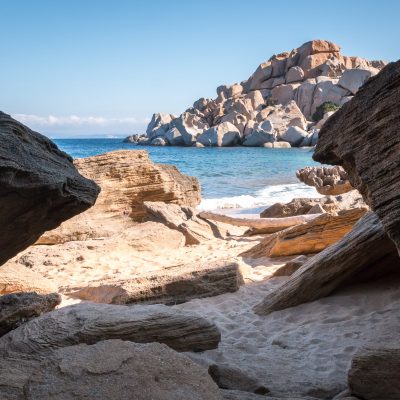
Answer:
(327, 181)
(132, 139)
(353, 79)
(291, 266)
(277, 145)
(185, 220)
(375, 372)
(237, 120)
(240, 395)
(39, 184)
(295, 74)
(294, 135)
(114, 370)
(159, 125)
(304, 93)
(230, 91)
(234, 379)
(311, 237)
(321, 122)
(201, 104)
(282, 94)
(262, 73)
(17, 308)
(173, 285)
(17, 278)
(365, 252)
(316, 209)
(222, 135)
(89, 323)
(190, 126)
(198, 145)
(363, 137)
(158, 141)
(127, 179)
(261, 133)
(174, 137)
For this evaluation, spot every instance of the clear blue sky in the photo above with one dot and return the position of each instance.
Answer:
(102, 67)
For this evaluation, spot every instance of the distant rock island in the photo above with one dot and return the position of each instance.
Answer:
(284, 103)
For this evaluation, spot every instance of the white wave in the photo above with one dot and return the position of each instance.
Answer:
(264, 197)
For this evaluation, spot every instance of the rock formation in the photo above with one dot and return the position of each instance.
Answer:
(327, 181)
(277, 103)
(363, 137)
(39, 187)
(127, 179)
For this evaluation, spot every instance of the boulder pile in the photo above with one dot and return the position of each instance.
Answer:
(286, 100)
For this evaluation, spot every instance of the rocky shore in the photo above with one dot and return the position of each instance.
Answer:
(114, 286)
(284, 103)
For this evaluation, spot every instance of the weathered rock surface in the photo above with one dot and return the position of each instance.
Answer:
(173, 285)
(366, 250)
(286, 90)
(127, 179)
(311, 237)
(291, 266)
(363, 138)
(375, 372)
(17, 308)
(17, 278)
(39, 187)
(110, 370)
(241, 395)
(89, 323)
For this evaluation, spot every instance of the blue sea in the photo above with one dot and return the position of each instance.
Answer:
(235, 178)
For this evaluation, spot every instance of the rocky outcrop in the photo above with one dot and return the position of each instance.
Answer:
(327, 181)
(107, 370)
(39, 187)
(364, 252)
(363, 138)
(308, 238)
(284, 92)
(17, 308)
(172, 285)
(127, 179)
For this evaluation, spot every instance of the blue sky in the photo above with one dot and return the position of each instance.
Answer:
(102, 67)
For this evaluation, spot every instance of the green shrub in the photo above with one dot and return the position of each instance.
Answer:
(324, 108)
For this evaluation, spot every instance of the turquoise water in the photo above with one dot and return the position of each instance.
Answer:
(231, 177)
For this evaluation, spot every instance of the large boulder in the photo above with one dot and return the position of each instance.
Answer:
(39, 187)
(260, 134)
(174, 137)
(127, 179)
(363, 138)
(294, 135)
(222, 135)
(159, 125)
(353, 79)
(190, 126)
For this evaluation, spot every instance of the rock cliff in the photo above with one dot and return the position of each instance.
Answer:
(287, 99)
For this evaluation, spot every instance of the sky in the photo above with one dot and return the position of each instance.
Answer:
(101, 68)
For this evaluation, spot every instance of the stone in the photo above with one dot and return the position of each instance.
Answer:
(17, 278)
(291, 266)
(237, 120)
(159, 125)
(190, 126)
(230, 91)
(308, 238)
(365, 252)
(321, 122)
(294, 135)
(277, 145)
(127, 178)
(18, 308)
(234, 379)
(284, 93)
(316, 209)
(132, 139)
(261, 74)
(201, 104)
(114, 370)
(174, 137)
(303, 96)
(262, 133)
(39, 184)
(198, 145)
(89, 323)
(294, 74)
(158, 141)
(222, 135)
(353, 79)
(327, 180)
(173, 285)
(375, 372)
(362, 136)
(241, 395)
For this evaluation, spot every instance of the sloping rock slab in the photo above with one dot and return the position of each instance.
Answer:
(172, 285)
(39, 187)
(363, 136)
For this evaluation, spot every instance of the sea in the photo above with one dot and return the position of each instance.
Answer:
(234, 180)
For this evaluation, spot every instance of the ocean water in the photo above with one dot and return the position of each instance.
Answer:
(235, 178)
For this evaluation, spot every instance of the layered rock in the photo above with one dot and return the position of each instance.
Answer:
(327, 181)
(308, 238)
(39, 187)
(363, 138)
(286, 90)
(127, 179)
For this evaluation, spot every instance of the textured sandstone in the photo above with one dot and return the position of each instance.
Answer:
(364, 252)
(363, 137)
(39, 187)
(307, 238)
